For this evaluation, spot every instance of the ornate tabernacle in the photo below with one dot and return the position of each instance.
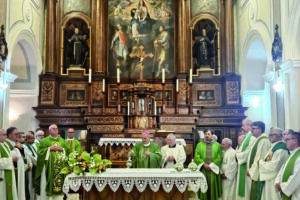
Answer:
(117, 68)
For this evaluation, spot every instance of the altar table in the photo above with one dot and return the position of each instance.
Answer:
(130, 141)
(137, 184)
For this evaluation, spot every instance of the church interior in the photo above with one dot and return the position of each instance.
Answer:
(112, 69)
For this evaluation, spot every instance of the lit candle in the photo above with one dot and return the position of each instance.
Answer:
(154, 107)
(128, 109)
(191, 75)
(90, 75)
(103, 85)
(177, 85)
(118, 75)
(163, 75)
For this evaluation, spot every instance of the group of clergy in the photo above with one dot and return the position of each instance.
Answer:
(30, 164)
(261, 167)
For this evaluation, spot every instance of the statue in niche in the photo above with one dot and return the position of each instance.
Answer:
(205, 45)
(78, 49)
(201, 50)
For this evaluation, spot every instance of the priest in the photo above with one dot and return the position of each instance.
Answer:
(39, 135)
(257, 152)
(271, 164)
(8, 189)
(229, 170)
(243, 181)
(287, 180)
(172, 153)
(208, 155)
(74, 144)
(50, 153)
(145, 154)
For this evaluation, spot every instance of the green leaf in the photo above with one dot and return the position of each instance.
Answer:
(86, 156)
(65, 170)
(77, 170)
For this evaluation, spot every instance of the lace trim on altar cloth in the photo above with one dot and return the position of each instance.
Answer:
(134, 177)
(130, 141)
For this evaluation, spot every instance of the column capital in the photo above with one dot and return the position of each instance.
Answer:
(290, 66)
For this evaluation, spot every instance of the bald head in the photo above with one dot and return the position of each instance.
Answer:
(247, 125)
(226, 144)
(53, 130)
(146, 137)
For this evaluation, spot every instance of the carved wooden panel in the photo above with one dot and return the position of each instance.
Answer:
(216, 99)
(58, 112)
(183, 111)
(106, 128)
(232, 92)
(179, 119)
(183, 91)
(97, 95)
(73, 94)
(61, 121)
(177, 128)
(105, 120)
(219, 112)
(220, 121)
(48, 92)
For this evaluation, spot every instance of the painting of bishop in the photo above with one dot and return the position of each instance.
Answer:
(136, 23)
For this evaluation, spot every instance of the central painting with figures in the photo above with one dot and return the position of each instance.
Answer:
(141, 27)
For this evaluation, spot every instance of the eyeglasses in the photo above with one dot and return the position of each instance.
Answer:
(70, 132)
(288, 139)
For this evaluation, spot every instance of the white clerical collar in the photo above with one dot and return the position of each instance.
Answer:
(294, 151)
(146, 145)
(70, 139)
(36, 141)
(53, 137)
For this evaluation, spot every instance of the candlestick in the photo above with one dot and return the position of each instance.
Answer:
(177, 85)
(191, 75)
(90, 75)
(103, 85)
(118, 75)
(154, 107)
(128, 109)
(163, 75)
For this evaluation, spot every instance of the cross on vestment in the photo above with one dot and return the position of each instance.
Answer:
(141, 55)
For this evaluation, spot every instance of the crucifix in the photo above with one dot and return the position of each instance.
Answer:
(141, 55)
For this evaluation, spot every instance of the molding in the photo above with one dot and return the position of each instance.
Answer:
(269, 76)
(290, 66)
(18, 93)
(254, 93)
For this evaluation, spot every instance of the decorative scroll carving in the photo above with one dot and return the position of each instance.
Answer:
(219, 121)
(61, 121)
(232, 92)
(222, 112)
(48, 92)
(182, 91)
(177, 119)
(119, 153)
(58, 112)
(184, 111)
(106, 128)
(73, 95)
(183, 128)
(104, 120)
(170, 110)
(97, 92)
(114, 136)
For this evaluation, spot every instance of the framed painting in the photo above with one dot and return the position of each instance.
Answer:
(205, 95)
(168, 95)
(141, 31)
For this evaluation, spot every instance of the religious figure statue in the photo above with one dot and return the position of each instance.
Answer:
(276, 47)
(201, 50)
(78, 48)
(161, 45)
(119, 45)
(3, 45)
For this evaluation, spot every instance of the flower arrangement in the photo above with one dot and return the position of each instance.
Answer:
(85, 162)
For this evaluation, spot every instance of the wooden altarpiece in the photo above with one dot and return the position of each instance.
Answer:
(186, 95)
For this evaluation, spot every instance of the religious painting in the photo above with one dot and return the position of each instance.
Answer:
(205, 46)
(207, 6)
(76, 45)
(168, 95)
(114, 95)
(75, 5)
(75, 95)
(204, 95)
(141, 36)
(124, 95)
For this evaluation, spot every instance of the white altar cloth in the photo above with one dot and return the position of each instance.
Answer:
(129, 141)
(114, 177)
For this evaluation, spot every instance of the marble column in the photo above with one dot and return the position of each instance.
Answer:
(290, 73)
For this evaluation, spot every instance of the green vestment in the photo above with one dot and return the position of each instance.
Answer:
(139, 159)
(210, 153)
(53, 166)
(74, 145)
(8, 175)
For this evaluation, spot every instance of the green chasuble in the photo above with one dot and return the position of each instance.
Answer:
(139, 159)
(210, 153)
(8, 175)
(53, 166)
(74, 145)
